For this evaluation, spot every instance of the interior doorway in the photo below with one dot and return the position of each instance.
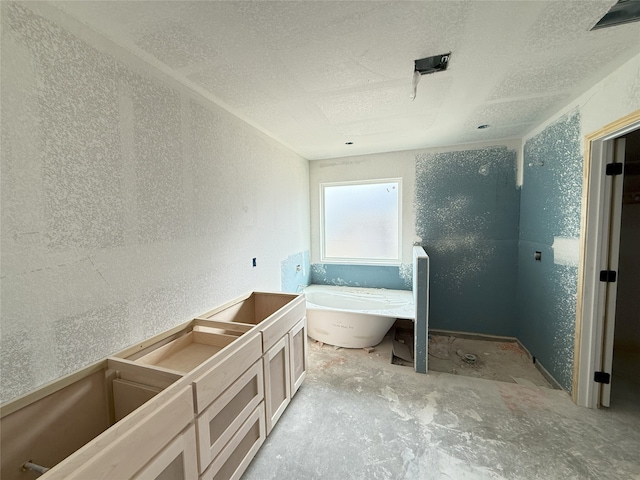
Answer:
(625, 379)
(606, 266)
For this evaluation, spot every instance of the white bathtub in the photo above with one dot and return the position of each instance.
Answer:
(354, 317)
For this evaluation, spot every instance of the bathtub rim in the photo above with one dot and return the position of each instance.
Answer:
(404, 312)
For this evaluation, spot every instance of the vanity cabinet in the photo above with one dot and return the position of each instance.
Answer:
(195, 402)
(281, 320)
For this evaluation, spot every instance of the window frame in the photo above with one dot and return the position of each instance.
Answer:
(360, 260)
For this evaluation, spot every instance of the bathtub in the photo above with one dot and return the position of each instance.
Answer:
(354, 317)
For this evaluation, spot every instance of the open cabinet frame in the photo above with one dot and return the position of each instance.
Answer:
(190, 402)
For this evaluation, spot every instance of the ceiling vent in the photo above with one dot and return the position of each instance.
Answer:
(624, 11)
(424, 66)
(437, 63)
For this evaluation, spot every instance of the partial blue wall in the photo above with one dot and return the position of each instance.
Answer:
(295, 272)
(467, 209)
(370, 276)
(550, 205)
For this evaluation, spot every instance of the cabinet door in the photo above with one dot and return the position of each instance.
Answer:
(277, 381)
(236, 455)
(176, 462)
(298, 352)
(221, 420)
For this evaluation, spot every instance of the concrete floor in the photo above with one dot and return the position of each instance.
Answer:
(496, 360)
(359, 417)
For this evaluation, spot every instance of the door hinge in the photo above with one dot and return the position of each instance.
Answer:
(614, 169)
(602, 377)
(608, 276)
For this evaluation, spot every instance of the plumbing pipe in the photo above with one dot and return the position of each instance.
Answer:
(35, 467)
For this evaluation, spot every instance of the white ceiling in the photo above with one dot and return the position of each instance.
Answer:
(316, 74)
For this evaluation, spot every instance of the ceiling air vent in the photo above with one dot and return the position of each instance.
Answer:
(437, 63)
(423, 66)
(624, 11)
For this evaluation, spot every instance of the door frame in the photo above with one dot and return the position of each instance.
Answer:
(591, 299)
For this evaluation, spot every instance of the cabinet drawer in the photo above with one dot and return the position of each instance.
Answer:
(235, 457)
(214, 380)
(176, 462)
(277, 381)
(298, 353)
(220, 421)
(277, 327)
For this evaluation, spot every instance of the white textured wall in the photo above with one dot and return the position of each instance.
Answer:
(614, 97)
(129, 204)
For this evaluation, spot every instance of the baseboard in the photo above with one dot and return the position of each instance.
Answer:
(473, 336)
(548, 377)
(543, 371)
(526, 350)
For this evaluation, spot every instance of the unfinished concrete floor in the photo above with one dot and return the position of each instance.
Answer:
(359, 417)
(504, 361)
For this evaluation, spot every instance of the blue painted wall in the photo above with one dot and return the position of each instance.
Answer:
(371, 276)
(467, 211)
(549, 208)
(295, 272)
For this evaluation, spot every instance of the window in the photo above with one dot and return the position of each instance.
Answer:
(360, 222)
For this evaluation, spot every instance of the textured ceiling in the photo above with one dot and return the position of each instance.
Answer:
(316, 74)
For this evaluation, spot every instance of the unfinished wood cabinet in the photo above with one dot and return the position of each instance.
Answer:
(235, 457)
(277, 381)
(30, 426)
(129, 445)
(186, 352)
(87, 406)
(212, 381)
(222, 419)
(273, 314)
(298, 354)
(176, 462)
(132, 386)
(279, 318)
(198, 399)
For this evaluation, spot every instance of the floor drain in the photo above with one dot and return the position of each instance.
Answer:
(470, 358)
